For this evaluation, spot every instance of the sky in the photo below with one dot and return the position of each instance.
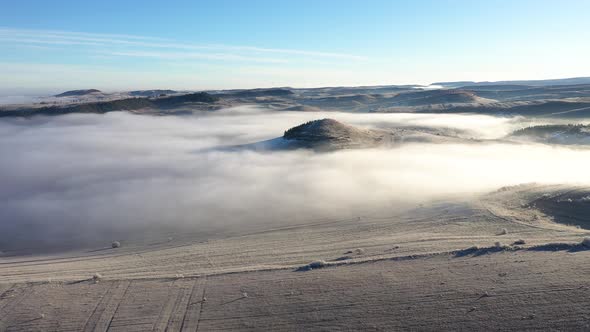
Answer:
(50, 46)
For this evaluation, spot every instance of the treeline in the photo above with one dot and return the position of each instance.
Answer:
(292, 132)
(551, 128)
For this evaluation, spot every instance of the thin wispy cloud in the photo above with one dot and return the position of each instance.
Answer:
(190, 55)
(73, 34)
(36, 41)
(130, 45)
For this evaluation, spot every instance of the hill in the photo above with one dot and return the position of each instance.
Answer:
(252, 93)
(561, 81)
(151, 93)
(564, 204)
(430, 97)
(555, 134)
(328, 131)
(75, 93)
(330, 135)
(538, 108)
(129, 104)
(524, 93)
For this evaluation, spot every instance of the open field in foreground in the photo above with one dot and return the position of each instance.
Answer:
(412, 271)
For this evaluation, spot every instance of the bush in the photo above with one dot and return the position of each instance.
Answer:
(313, 265)
(317, 264)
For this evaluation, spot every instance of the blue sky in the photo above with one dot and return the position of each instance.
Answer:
(114, 45)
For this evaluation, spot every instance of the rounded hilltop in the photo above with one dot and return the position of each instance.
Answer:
(324, 129)
(75, 93)
(329, 134)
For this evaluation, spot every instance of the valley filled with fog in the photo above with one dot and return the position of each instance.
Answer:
(83, 180)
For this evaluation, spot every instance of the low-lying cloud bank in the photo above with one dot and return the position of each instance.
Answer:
(93, 177)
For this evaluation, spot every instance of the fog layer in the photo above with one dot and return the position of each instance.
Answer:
(81, 177)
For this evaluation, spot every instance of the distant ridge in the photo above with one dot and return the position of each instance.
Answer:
(559, 81)
(272, 92)
(428, 97)
(74, 93)
(151, 93)
(129, 104)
